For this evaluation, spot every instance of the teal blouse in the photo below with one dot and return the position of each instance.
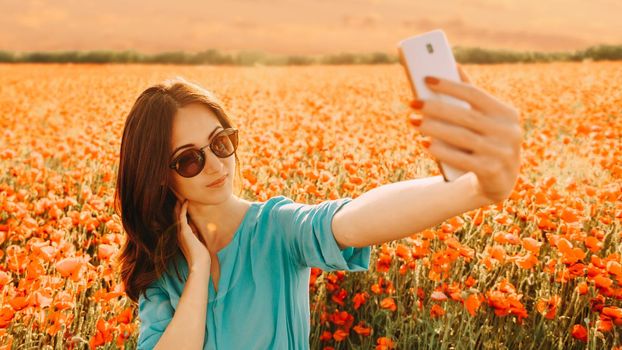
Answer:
(263, 291)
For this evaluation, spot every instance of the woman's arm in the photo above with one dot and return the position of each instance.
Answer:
(187, 328)
(400, 209)
(491, 134)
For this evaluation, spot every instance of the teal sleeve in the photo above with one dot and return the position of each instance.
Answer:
(309, 239)
(155, 314)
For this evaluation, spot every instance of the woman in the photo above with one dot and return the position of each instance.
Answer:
(242, 268)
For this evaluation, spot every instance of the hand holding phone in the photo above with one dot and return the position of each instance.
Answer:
(429, 54)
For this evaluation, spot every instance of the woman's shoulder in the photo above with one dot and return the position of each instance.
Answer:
(286, 205)
(271, 216)
(272, 204)
(276, 200)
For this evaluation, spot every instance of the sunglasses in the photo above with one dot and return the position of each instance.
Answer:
(191, 161)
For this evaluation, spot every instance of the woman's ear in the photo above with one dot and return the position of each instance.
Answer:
(177, 195)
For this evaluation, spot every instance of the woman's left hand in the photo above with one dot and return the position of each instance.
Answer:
(490, 130)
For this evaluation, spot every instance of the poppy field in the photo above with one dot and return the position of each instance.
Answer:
(540, 270)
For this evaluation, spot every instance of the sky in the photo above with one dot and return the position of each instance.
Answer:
(311, 27)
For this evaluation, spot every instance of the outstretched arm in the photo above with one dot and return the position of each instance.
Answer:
(400, 209)
(490, 133)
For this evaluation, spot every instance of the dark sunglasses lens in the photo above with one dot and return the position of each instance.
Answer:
(190, 163)
(225, 144)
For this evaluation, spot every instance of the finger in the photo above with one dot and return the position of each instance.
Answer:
(450, 113)
(192, 225)
(482, 166)
(467, 118)
(182, 214)
(513, 113)
(177, 209)
(465, 139)
(452, 156)
(196, 232)
(476, 97)
(463, 75)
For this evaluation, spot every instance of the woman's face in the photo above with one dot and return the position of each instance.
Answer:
(195, 125)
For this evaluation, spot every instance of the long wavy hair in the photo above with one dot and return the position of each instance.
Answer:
(142, 198)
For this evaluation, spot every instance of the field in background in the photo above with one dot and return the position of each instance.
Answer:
(463, 55)
(542, 270)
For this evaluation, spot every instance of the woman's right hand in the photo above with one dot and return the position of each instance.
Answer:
(196, 253)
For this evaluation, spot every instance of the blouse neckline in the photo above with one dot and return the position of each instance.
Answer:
(223, 255)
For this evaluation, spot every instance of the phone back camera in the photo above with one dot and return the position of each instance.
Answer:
(429, 47)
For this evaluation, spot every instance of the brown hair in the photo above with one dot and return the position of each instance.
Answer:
(145, 206)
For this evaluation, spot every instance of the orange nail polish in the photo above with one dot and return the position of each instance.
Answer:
(416, 122)
(416, 104)
(431, 80)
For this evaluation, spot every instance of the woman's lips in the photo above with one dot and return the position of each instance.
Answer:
(217, 181)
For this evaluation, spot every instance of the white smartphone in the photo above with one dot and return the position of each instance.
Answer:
(430, 54)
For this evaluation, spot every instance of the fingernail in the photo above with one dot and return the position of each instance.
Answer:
(416, 122)
(431, 80)
(425, 143)
(416, 104)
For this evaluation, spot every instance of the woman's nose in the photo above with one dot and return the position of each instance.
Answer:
(212, 163)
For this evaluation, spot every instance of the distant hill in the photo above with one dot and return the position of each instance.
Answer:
(247, 58)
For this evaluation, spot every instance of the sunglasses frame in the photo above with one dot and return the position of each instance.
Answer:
(175, 162)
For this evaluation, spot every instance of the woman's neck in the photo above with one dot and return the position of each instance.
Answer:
(225, 218)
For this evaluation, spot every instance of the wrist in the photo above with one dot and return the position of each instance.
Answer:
(470, 185)
(202, 266)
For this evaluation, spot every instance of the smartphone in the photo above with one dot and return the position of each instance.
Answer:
(430, 54)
